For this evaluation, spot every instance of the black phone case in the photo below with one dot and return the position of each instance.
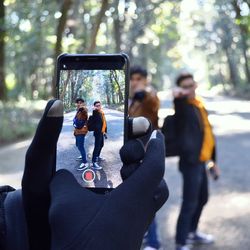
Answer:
(78, 59)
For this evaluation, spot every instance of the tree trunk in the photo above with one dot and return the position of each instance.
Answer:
(120, 96)
(244, 51)
(232, 68)
(244, 35)
(64, 87)
(3, 90)
(117, 29)
(59, 35)
(99, 18)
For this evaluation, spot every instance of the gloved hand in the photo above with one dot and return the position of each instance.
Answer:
(139, 96)
(26, 224)
(82, 219)
(79, 218)
(105, 136)
(40, 167)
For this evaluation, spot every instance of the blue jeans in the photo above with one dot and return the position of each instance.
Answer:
(80, 145)
(151, 237)
(195, 196)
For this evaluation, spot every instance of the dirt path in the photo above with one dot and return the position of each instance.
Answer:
(227, 214)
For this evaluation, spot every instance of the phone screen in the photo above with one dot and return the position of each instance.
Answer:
(93, 127)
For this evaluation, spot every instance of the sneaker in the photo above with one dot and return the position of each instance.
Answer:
(96, 166)
(149, 248)
(100, 159)
(200, 238)
(79, 158)
(83, 166)
(182, 247)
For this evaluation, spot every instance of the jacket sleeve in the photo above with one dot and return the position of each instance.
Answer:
(214, 154)
(97, 120)
(85, 114)
(180, 106)
(152, 102)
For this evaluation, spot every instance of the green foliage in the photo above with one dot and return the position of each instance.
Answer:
(147, 30)
(223, 37)
(18, 120)
(31, 36)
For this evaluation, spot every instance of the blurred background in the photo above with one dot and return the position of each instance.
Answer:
(210, 38)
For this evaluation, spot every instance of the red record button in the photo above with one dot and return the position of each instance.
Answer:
(88, 175)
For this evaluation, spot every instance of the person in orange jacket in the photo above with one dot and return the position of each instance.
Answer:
(196, 146)
(143, 97)
(80, 131)
(144, 102)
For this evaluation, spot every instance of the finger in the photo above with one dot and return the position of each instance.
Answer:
(150, 172)
(40, 157)
(161, 195)
(131, 155)
(128, 170)
(153, 165)
(154, 161)
(40, 164)
(132, 152)
(138, 126)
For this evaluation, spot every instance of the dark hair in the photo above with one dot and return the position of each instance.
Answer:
(79, 100)
(182, 77)
(138, 70)
(96, 102)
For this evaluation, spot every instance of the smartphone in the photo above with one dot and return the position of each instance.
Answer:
(94, 91)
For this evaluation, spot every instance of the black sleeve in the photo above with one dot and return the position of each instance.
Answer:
(4, 190)
(180, 105)
(214, 154)
(16, 227)
(97, 120)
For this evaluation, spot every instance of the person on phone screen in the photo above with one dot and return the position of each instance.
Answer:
(196, 146)
(80, 122)
(144, 102)
(100, 132)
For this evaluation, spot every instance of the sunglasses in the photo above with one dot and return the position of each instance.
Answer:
(190, 86)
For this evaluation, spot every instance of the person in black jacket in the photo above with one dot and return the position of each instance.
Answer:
(100, 131)
(196, 146)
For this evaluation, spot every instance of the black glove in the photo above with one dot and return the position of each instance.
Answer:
(40, 167)
(139, 96)
(26, 224)
(79, 218)
(82, 219)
